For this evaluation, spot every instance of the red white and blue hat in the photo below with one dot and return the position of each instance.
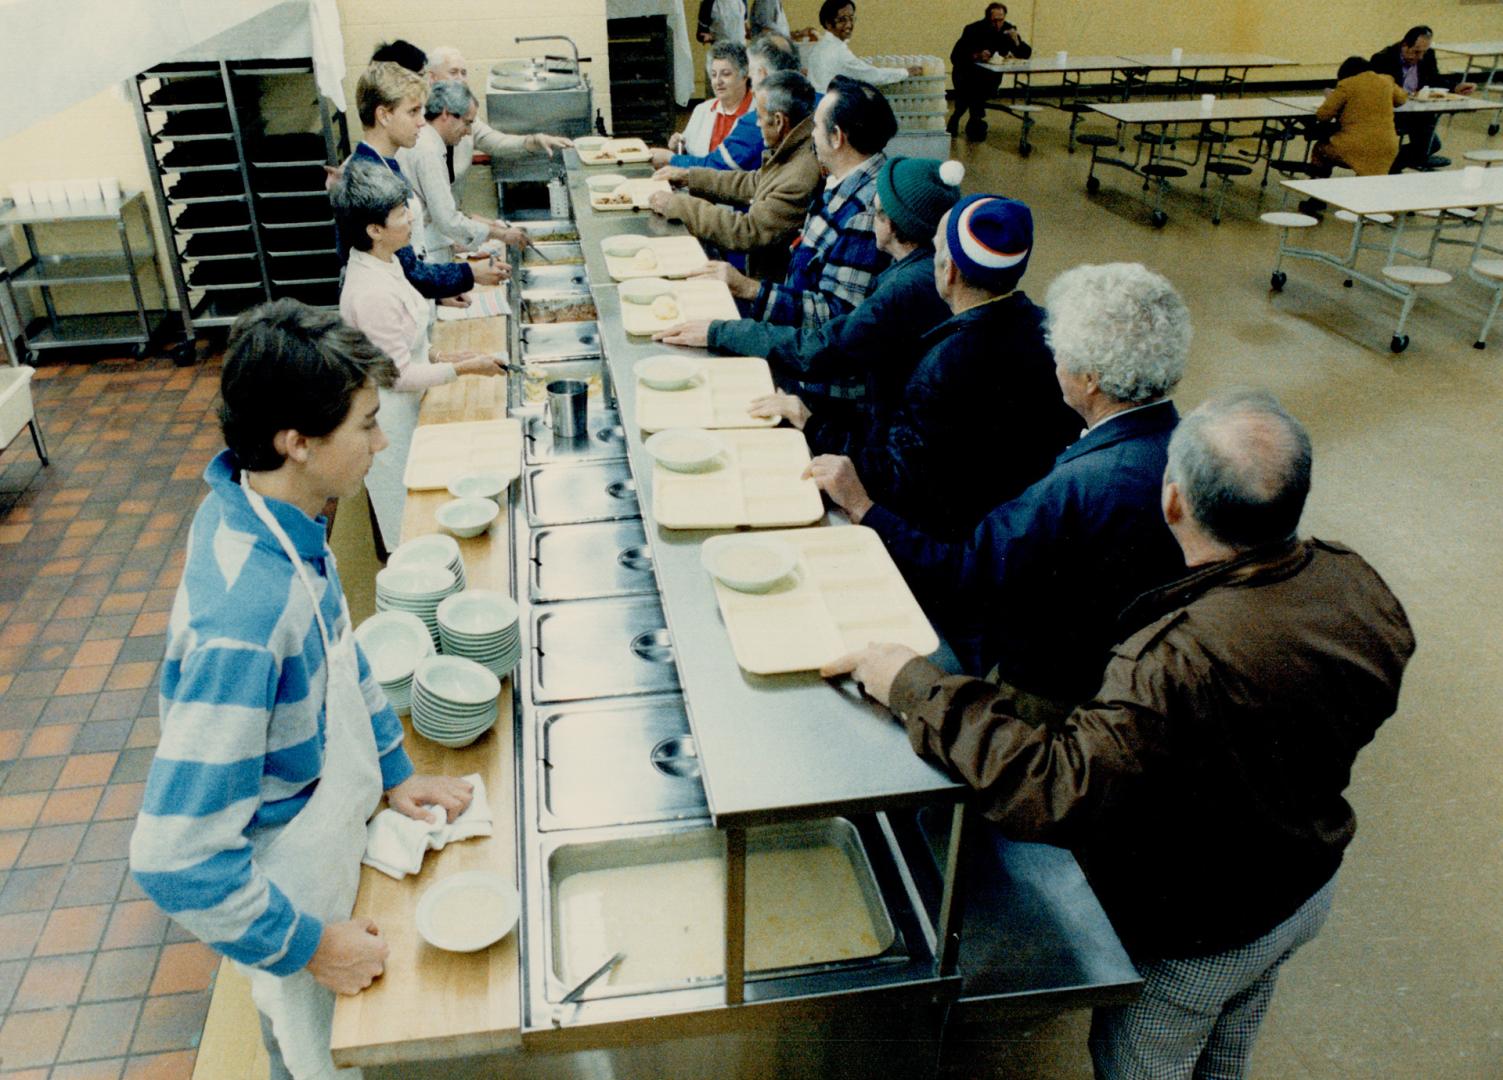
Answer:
(990, 238)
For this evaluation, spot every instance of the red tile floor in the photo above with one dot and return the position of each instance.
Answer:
(94, 981)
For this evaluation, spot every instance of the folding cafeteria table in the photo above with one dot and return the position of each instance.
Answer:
(1489, 76)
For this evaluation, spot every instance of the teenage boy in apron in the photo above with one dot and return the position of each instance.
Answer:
(277, 743)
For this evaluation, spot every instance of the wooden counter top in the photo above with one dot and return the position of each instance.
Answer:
(430, 1003)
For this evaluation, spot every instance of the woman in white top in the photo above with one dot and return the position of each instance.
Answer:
(713, 118)
(370, 206)
(831, 56)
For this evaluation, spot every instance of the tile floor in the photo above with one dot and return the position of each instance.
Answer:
(94, 981)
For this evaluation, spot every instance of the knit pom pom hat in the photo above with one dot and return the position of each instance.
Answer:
(916, 192)
(990, 238)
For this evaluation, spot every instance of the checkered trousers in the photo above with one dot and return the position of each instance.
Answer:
(1197, 1018)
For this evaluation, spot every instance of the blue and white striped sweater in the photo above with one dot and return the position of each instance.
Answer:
(243, 726)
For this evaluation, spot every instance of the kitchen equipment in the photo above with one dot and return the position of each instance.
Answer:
(697, 298)
(539, 94)
(583, 562)
(599, 649)
(547, 342)
(602, 491)
(567, 408)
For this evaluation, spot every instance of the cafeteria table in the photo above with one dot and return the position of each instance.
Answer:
(1488, 75)
(1070, 70)
(1196, 63)
(1161, 165)
(1400, 195)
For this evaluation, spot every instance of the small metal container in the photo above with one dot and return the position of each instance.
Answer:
(567, 410)
(553, 254)
(580, 493)
(578, 307)
(600, 648)
(554, 281)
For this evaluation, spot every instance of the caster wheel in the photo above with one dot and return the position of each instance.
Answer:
(1479, 344)
(1024, 149)
(1093, 184)
(1276, 282)
(1159, 219)
(1215, 221)
(1399, 343)
(1347, 284)
(1492, 129)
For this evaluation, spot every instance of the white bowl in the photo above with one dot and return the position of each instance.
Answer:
(643, 290)
(667, 372)
(481, 613)
(467, 517)
(753, 564)
(483, 485)
(453, 678)
(605, 182)
(468, 911)
(685, 449)
(621, 247)
(434, 549)
(589, 142)
(417, 581)
(393, 643)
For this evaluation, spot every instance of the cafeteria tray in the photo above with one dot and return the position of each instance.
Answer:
(759, 485)
(719, 397)
(641, 190)
(488, 336)
(617, 152)
(698, 298)
(845, 594)
(442, 452)
(677, 256)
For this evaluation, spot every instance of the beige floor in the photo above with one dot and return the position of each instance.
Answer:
(1405, 981)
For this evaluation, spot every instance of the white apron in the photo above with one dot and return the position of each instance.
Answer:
(315, 857)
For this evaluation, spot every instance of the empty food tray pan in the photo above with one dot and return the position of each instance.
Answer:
(572, 494)
(601, 649)
(588, 562)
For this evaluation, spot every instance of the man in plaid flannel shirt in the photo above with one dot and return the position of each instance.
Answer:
(835, 258)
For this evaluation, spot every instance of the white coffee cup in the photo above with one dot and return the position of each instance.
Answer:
(109, 187)
(1207, 102)
(1062, 57)
(1176, 55)
(21, 192)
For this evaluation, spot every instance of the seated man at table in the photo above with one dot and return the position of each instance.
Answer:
(982, 416)
(277, 742)
(1011, 596)
(1201, 786)
(989, 39)
(755, 212)
(835, 259)
(1410, 63)
(868, 353)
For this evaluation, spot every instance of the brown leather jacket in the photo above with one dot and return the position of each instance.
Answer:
(1201, 788)
(775, 197)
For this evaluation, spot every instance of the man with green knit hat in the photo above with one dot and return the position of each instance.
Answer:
(859, 360)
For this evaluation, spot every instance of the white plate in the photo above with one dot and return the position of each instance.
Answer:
(456, 679)
(467, 517)
(644, 290)
(434, 549)
(393, 642)
(468, 911)
(415, 582)
(479, 613)
(752, 564)
(667, 372)
(686, 449)
(605, 182)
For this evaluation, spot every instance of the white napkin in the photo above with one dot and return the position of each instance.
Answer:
(395, 843)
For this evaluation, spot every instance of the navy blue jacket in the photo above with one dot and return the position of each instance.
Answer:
(1038, 588)
(980, 419)
(434, 281)
(868, 353)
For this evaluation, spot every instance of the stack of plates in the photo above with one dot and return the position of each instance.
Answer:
(437, 549)
(393, 643)
(481, 625)
(415, 588)
(453, 700)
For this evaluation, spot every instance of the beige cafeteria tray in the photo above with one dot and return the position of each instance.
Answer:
(641, 190)
(486, 336)
(759, 484)
(719, 397)
(845, 594)
(698, 298)
(442, 452)
(677, 256)
(617, 152)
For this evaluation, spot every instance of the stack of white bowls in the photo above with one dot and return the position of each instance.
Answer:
(393, 643)
(418, 589)
(481, 625)
(436, 549)
(453, 700)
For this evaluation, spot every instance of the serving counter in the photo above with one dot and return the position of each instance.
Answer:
(769, 879)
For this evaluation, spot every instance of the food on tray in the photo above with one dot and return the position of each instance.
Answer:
(554, 311)
(645, 259)
(665, 307)
(596, 157)
(615, 198)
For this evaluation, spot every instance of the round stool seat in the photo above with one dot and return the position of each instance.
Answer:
(1075, 107)
(1287, 219)
(1093, 138)
(1466, 213)
(1026, 108)
(1152, 138)
(1416, 275)
(1351, 218)
(1484, 155)
(1229, 168)
(1164, 172)
(1492, 268)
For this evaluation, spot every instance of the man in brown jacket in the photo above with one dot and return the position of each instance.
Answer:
(1201, 788)
(773, 200)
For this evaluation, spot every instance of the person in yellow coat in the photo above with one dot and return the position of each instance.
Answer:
(1362, 105)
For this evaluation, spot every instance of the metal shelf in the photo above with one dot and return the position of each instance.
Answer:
(78, 269)
(94, 328)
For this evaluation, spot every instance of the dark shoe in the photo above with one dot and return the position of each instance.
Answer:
(975, 130)
(1436, 161)
(1313, 207)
